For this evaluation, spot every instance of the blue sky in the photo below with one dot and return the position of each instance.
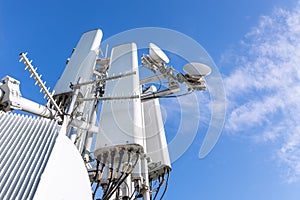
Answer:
(255, 45)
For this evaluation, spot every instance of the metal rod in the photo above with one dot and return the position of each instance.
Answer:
(162, 93)
(37, 109)
(89, 137)
(103, 79)
(73, 101)
(151, 79)
(71, 109)
(84, 125)
(109, 98)
(144, 165)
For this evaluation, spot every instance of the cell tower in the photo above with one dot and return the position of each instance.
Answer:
(70, 149)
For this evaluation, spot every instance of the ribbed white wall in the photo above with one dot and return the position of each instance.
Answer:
(25, 146)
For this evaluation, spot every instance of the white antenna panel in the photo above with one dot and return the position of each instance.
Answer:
(82, 62)
(121, 120)
(157, 147)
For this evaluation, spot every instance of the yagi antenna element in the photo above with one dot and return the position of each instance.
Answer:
(39, 81)
(157, 54)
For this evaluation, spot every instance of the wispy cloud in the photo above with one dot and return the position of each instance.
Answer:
(264, 90)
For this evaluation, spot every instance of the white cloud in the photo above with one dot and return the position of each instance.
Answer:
(264, 90)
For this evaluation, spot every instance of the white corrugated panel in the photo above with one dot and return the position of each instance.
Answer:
(25, 146)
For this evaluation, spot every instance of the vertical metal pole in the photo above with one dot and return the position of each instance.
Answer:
(71, 108)
(74, 98)
(88, 137)
(146, 194)
(90, 108)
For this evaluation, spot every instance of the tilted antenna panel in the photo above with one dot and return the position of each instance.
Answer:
(82, 62)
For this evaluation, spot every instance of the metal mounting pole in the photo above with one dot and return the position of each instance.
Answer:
(144, 165)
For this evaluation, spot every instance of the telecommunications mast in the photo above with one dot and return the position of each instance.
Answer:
(81, 152)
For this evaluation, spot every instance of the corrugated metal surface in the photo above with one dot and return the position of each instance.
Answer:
(25, 146)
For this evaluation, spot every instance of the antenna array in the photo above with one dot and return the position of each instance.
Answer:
(131, 152)
(39, 81)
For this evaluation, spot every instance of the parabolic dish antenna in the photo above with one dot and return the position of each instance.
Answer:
(157, 54)
(194, 69)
